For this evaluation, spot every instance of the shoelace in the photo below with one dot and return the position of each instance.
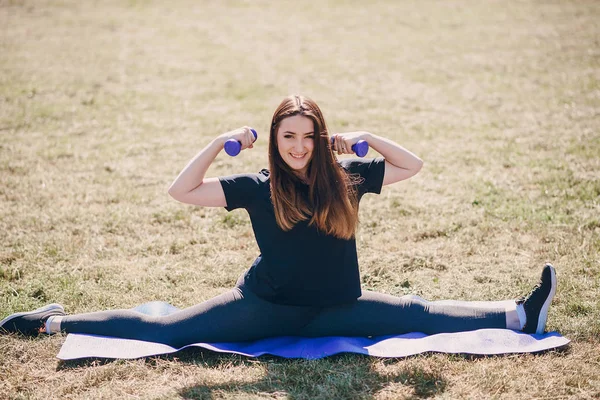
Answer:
(522, 300)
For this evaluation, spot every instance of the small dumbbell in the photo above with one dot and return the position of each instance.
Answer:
(233, 147)
(360, 148)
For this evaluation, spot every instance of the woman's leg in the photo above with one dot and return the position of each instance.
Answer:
(376, 314)
(237, 315)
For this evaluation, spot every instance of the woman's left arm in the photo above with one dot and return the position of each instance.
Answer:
(400, 164)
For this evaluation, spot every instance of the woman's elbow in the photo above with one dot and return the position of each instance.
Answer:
(417, 167)
(174, 193)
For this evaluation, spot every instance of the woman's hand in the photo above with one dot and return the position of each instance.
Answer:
(343, 142)
(243, 135)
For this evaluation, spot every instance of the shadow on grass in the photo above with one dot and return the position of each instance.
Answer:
(340, 376)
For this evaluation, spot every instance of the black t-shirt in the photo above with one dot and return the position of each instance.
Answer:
(302, 266)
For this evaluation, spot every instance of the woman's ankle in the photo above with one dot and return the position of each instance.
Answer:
(515, 317)
(53, 324)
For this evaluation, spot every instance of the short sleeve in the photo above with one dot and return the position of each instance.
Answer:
(240, 190)
(371, 171)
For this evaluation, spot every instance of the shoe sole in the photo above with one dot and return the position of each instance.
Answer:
(49, 307)
(541, 325)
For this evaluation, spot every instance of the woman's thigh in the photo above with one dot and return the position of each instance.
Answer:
(239, 315)
(376, 314)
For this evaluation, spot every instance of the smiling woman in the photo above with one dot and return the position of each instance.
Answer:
(305, 282)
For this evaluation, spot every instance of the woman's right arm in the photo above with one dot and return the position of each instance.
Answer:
(190, 187)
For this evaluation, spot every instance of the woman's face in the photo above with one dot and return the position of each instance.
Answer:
(296, 141)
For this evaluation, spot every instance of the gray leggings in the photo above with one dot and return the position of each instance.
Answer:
(239, 315)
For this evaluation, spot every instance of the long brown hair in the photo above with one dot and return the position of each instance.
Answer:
(331, 203)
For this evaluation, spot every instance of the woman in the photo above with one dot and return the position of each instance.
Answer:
(304, 212)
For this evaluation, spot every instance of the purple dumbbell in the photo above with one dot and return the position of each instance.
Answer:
(233, 147)
(360, 148)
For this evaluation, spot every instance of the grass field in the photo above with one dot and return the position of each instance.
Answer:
(103, 103)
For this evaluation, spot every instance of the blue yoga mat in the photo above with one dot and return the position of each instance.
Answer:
(480, 342)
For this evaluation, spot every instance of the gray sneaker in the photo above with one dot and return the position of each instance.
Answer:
(31, 322)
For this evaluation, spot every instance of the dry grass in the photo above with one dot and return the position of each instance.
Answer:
(101, 105)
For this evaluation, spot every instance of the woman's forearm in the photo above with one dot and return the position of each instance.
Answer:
(193, 174)
(393, 152)
(400, 164)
